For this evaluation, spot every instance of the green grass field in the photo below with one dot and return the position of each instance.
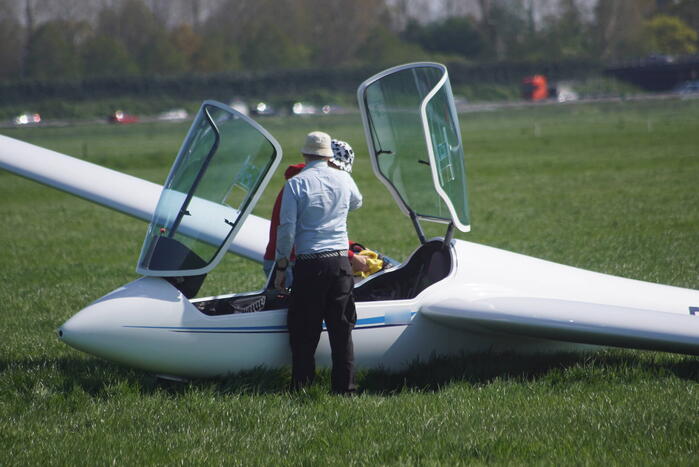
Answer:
(608, 187)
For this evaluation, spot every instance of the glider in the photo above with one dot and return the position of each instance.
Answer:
(449, 297)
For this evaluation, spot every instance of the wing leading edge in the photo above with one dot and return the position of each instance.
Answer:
(116, 190)
(571, 321)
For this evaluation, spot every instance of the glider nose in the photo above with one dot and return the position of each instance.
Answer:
(101, 327)
(83, 329)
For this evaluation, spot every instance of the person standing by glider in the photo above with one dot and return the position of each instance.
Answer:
(313, 217)
(343, 159)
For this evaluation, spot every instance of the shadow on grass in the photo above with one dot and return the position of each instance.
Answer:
(482, 369)
(99, 378)
(64, 374)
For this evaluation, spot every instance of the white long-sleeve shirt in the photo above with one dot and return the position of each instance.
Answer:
(314, 210)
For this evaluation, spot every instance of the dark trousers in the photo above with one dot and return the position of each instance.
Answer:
(322, 290)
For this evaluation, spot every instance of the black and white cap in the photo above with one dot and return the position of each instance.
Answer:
(343, 155)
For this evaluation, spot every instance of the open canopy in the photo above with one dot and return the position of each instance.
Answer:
(415, 143)
(224, 164)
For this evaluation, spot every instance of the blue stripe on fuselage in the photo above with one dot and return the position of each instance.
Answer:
(364, 323)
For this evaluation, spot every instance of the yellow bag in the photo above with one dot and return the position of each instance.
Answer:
(373, 261)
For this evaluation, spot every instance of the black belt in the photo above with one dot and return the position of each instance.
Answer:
(322, 254)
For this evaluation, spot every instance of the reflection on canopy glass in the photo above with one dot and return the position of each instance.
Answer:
(448, 150)
(220, 167)
(402, 141)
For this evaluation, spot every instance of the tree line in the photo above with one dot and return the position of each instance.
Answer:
(77, 39)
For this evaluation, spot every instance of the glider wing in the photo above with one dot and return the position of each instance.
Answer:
(116, 190)
(571, 321)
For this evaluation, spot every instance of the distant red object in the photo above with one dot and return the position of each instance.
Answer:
(121, 117)
(535, 88)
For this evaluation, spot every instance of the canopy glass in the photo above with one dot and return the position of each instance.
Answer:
(224, 164)
(415, 142)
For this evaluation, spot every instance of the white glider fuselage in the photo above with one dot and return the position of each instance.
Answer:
(149, 324)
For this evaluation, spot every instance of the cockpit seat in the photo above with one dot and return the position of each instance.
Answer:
(429, 264)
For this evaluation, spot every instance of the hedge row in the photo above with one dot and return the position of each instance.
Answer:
(225, 86)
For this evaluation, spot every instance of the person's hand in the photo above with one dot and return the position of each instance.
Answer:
(359, 263)
(280, 279)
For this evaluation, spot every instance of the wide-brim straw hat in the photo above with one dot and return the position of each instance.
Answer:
(317, 144)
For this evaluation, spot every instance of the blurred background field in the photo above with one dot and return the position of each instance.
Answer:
(82, 59)
(610, 187)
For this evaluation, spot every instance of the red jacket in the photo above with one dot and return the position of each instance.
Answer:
(271, 251)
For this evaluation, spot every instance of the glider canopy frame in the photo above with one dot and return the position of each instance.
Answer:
(224, 164)
(414, 140)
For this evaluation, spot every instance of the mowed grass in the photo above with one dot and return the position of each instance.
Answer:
(608, 187)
